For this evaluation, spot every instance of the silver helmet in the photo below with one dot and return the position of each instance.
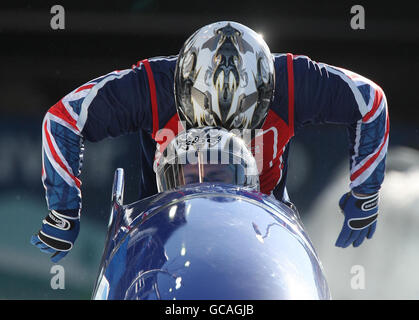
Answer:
(206, 155)
(224, 77)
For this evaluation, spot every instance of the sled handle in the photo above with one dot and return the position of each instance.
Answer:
(118, 187)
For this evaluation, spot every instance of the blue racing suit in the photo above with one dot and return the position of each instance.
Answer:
(141, 99)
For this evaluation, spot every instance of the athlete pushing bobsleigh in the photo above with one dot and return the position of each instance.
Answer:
(224, 76)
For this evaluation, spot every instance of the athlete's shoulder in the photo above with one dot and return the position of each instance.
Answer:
(286, 63)
(278, 56)
(163, 64)
(282, 57)
(279, 59)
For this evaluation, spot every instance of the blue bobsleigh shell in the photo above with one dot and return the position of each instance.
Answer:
(209, 242)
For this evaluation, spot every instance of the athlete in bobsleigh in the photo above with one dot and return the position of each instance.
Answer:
(224, 76)
(209, 233)
(207, 161)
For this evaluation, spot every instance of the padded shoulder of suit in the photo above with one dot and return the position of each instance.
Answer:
(163, 64)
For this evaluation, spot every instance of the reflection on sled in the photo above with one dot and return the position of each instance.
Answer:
(207, 241)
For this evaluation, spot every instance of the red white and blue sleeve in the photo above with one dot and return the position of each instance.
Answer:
(111, 105)
(329, 94)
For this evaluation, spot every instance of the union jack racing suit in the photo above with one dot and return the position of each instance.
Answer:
(141, 99)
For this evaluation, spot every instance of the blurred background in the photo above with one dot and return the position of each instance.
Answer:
(40, 65)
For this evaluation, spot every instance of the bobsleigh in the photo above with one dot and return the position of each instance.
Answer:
(207, 241)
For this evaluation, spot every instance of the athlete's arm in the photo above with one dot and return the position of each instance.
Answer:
(108, 106)
(328, 94)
